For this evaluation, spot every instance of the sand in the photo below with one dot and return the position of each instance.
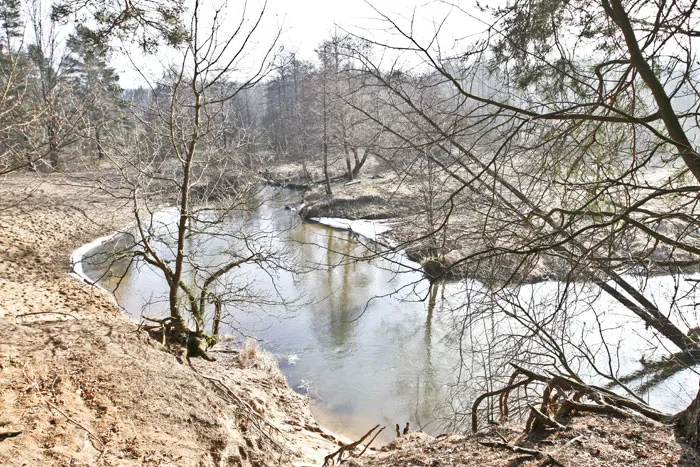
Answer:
(85, 386)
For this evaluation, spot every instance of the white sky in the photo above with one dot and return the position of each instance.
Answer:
(306, 23)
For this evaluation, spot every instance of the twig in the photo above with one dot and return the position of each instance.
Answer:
(548, 458)
(572, 441)
(513, 447)
(45, 313)
(338, 455)
(79, 425)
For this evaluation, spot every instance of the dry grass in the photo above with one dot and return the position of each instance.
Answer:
(252, 355)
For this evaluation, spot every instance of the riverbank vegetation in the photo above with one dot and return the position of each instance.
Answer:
(556, 147)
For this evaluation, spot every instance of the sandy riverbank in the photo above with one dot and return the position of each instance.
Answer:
(86, 387)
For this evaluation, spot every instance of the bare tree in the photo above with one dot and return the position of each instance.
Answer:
(182, 151)
(565, 136)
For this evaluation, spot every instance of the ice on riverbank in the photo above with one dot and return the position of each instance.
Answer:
(79, 254)
(369, 229)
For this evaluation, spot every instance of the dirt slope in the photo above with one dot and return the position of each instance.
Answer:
(589, 441)
(86, 387)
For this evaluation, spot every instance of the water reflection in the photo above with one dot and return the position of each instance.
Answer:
(371, 341)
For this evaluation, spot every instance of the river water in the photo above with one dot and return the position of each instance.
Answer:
(371, 341)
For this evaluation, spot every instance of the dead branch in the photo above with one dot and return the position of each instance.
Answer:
(337, 456)
(548, 459)
(252, 414)
(45, 313)
(513, 447)
(79, 425)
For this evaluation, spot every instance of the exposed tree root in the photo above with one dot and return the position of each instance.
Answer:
(336, 457)
(525, 453)
(563, 395)
(174, 331)
(256, 418)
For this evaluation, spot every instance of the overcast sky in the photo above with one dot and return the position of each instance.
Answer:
(306, 23)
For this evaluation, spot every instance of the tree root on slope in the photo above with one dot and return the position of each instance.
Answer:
(174, 331)
(563, 395)
(336, 457)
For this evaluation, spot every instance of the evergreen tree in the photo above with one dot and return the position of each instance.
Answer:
(95, 85)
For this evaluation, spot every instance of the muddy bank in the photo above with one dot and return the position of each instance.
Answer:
(84, 386)
(399, 204)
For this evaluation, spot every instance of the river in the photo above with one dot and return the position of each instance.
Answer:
(370, 341)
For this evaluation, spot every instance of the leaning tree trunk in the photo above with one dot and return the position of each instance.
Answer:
(689, 422)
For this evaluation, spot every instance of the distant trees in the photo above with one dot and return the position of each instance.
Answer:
(311, 112)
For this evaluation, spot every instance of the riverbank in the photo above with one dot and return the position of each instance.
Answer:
(84, 386)
(588, 441)
(451, 237)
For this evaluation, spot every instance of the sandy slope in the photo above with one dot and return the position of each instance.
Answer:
(86, 387)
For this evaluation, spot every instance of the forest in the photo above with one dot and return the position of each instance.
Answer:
(541, 177)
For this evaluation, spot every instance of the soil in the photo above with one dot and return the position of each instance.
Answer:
(589, 441)
(84, 385)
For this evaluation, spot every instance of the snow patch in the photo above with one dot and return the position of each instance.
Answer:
(370, 229)
(76, 258)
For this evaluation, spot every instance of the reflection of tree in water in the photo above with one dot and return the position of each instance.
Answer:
(419, 356)
(341, 308)
(428, 406)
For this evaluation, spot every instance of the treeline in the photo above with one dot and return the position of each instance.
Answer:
(58, 95)
(318, 120)
(309, 117)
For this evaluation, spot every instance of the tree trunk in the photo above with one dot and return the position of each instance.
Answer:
(326, 176)
(617, 13)
(348, 163)
(689, 423)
